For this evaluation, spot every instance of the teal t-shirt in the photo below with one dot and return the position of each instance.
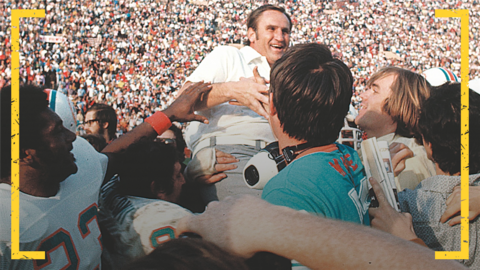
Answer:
(331, 184)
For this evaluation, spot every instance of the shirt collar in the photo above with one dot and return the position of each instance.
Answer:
(251, 54)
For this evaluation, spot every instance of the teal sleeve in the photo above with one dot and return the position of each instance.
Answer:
(284, 197)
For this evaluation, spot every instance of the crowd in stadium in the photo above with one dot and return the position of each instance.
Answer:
(134, 55)
(270, 94)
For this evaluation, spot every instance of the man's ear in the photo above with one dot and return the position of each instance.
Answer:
(105, 125)
(251, 35)
(271, 109)
(29, 156)
(158, 194)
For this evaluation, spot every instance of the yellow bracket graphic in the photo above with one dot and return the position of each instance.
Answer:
(40, 255)
(463, 254)
(15, 141)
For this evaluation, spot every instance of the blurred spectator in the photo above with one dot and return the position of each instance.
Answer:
(101, 119)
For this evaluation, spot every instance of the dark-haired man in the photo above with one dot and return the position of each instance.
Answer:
(101, 119)
(309, 99)
(239, 130)
(139, 209)
(60, 179)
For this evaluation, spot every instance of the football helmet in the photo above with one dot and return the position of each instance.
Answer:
(438, 76)
(350, 136)
(63, 106)
(474, 85)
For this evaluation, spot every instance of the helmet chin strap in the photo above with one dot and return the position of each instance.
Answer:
(291, 152)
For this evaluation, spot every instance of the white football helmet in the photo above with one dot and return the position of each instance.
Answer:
(474, 85)
(438, 76)
(350, 136)
(63, 106)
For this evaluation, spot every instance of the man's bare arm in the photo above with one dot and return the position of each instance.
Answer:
(250, 92)
(182, 109)
(247, 225)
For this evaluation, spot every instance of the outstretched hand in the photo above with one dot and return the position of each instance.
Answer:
(399, 153)
(385, 218)
(183, 108)
(223, 163)
(251, 92)
(454, 205)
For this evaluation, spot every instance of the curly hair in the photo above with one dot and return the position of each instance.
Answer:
(439, 125)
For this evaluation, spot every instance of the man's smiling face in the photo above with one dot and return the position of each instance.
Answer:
(272, 36)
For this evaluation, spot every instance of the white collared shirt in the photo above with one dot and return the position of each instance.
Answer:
(226, 64)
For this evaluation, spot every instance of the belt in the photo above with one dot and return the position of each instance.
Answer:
(228, 140)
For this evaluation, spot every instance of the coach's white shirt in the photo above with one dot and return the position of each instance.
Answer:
(236, 124)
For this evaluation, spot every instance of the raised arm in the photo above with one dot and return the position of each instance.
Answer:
(251, 92)
(247, 225)
(182, 110)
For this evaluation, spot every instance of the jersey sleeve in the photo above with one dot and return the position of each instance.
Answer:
(156, 223)
(285, 197)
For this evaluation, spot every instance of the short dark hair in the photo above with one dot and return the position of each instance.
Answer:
(311, 93)
(252, 20)
(32, 102)
(189, 253)
(180, 141)
(439, 124)
(146, 161)
(106, 114)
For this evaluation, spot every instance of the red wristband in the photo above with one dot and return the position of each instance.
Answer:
(159, 121)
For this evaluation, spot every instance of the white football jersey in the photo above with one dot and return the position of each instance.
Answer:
(134, 225)
(65, 226)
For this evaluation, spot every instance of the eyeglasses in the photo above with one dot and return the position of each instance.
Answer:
(89, 122)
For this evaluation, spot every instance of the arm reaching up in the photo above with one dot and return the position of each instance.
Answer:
(182, 110)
